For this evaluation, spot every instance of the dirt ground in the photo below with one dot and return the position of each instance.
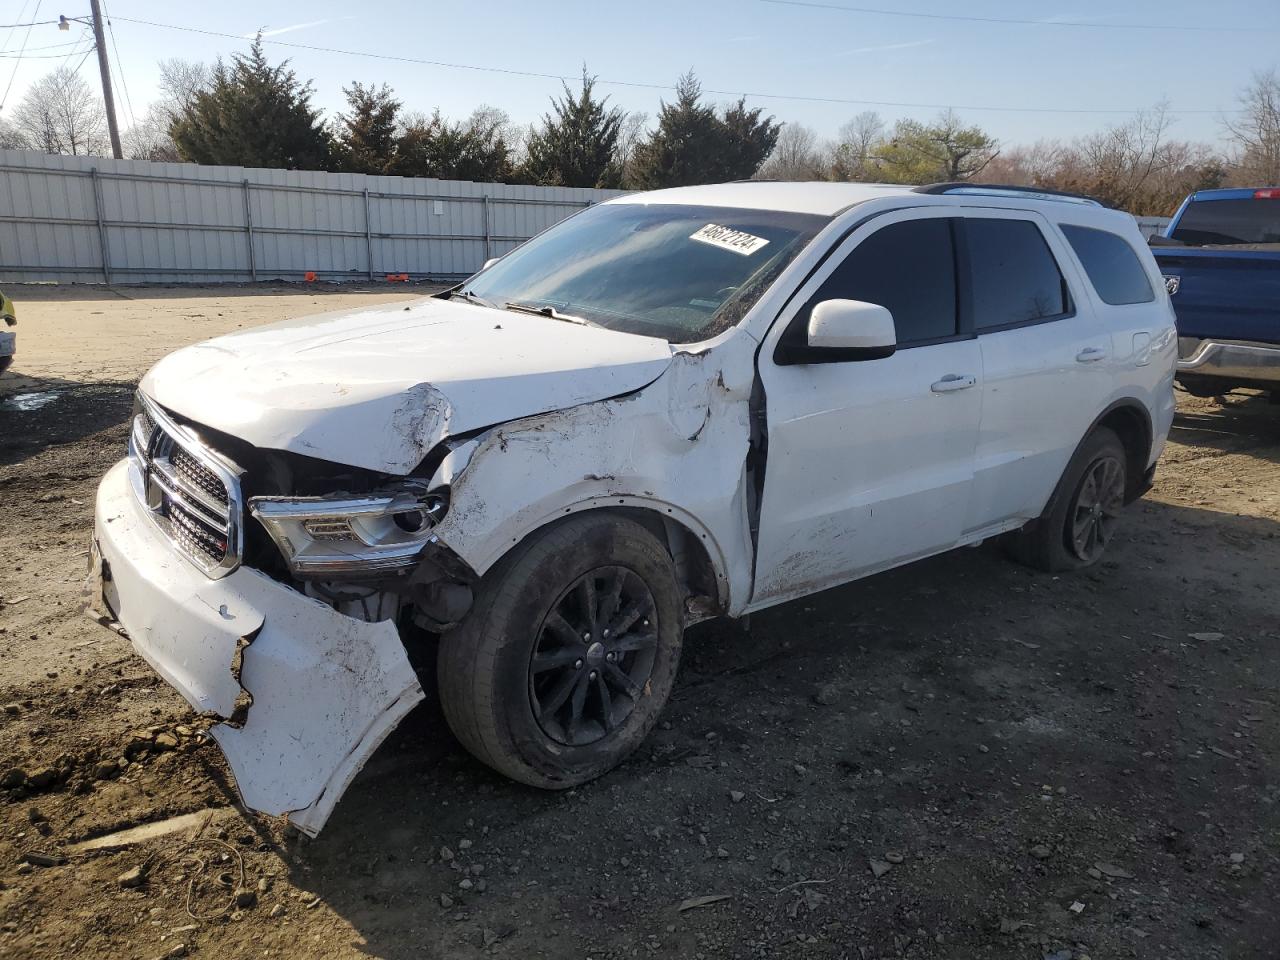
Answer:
(958, 759)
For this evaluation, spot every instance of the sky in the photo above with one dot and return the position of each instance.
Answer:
(1089, 57)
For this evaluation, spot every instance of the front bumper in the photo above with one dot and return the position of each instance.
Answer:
(1237, 360)
(322, 690)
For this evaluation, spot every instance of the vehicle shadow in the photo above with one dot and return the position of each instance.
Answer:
(48, 413)
(1245, 422)
(920, 709)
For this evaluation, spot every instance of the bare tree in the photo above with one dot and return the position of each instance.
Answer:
(180, 81)
(1037, 165)
(1122, 158)
(10, 137)
(1256, 133)
(798, 155)
(633, 130)
(61, 114)
(149, 139)
(852, 157)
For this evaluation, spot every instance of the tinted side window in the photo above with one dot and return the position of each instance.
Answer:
(1113, 268)
(1015, 278)
(908, 267)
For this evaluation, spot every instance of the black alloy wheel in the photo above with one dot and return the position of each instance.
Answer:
(1096, 509)
(594, 656)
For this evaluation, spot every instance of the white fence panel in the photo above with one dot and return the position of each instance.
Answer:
(1150, 226)
(95, 220)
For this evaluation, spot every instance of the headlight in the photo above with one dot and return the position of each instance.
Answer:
(381, 532)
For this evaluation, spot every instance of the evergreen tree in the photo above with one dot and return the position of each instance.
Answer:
(575, 145)
(366, 137)
(476, 150)
(748, 140)
(693, 144)
(253, 114)
(941, 151)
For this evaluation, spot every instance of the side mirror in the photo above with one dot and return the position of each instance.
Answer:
(490, 262)
(853, 329)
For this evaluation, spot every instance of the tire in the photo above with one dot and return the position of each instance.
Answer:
(1050, 542)
(501, 702)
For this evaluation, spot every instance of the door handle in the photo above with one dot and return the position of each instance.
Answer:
(1091, 355)
(952, 382)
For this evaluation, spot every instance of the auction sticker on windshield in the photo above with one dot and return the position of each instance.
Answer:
(727, 238)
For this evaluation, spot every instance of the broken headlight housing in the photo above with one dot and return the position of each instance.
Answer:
(376, 533)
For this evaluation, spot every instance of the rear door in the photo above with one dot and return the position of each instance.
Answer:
(1047, 362)
(870, 462)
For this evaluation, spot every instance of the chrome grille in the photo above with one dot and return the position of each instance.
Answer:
(191, 471)
(191, 491)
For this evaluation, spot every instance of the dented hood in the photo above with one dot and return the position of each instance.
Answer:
(379, 387)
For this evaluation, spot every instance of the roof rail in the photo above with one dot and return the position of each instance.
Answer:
(964, 187)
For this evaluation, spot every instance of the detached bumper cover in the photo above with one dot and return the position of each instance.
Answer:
(1231, 359)
(323, 689)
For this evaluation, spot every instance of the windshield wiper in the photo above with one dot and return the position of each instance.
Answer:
(469, 297)
(546, 311)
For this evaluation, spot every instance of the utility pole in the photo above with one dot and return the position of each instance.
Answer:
(107, 99)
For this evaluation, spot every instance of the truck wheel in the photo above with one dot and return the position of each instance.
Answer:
(569, 653)
(1082, 514)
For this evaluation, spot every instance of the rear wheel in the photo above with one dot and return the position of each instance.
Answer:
(569, 653)
(1081, 518)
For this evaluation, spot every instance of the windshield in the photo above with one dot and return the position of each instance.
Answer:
(1229, 221)
(682, 273)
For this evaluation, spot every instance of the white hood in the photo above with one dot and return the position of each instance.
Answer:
(378, 388)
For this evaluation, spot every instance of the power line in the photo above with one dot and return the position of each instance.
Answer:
(18, 62)
(39, 56)
(55, 46)
(661, 86)
(919, 15)
(84, 32)
(10, 36)
(128, 102)
(33, 23)
(82, 60)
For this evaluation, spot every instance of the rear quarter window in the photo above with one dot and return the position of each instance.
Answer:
(1112, 265)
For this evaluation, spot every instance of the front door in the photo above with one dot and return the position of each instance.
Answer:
(870, 462)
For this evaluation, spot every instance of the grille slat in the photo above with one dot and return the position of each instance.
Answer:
(192, 496)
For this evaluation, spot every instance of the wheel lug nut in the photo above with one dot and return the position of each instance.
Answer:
(593, 674)
(609, 657)
(577, 665)
(587, 637)
(606, 633)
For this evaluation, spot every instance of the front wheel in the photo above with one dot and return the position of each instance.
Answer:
(569, 653)
(1083, 512)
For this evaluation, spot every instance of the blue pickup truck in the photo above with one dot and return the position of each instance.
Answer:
(1221, 262)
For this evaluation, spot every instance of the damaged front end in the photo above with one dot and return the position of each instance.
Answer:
(288, 629)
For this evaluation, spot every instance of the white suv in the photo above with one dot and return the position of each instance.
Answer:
(672, 406)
